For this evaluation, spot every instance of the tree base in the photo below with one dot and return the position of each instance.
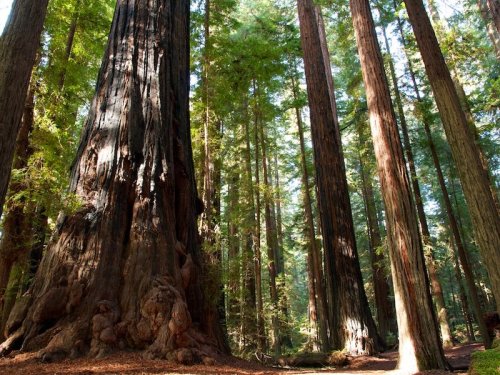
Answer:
(163, 328)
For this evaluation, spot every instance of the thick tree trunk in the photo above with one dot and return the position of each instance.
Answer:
(353, 327)
(386, 314)
(437, 290)
(419, 343)
(18, 45)
(124, 269)
(474, 178)
(314, 253)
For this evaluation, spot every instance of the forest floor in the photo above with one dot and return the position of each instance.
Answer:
(132, 363)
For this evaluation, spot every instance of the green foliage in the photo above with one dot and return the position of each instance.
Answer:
(485, 362)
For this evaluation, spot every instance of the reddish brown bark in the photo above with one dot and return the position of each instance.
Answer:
(479, 196)
(315, 268)
(437, 290)
(386, 315)
(16, 228)
(135, 233)
(18, 45)
(352, 327)
(419, 343)
(452, 220)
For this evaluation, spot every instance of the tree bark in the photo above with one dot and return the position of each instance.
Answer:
(136, 231)
(233, 252)
(494, 7)
(386, 315)
(419, 343)
(270, 223)
(69, 43)
(353, 327)
(474, 178)
(261, 338)
(491, 30)
(16, 229)
(462, 295)
(18, 45)
(314, 253)
(437, 290)
(447, 202)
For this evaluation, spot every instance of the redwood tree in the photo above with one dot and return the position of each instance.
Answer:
(480, 198)
(18, 45)
(419, 343)
(123, 271)
(352, 326)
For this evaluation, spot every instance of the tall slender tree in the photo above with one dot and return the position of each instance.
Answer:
(419, 343)
(18, 45)
(437, 290)
(352, 326)
(479, 195)
(314, 253)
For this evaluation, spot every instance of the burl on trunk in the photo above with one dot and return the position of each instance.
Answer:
(123, 271)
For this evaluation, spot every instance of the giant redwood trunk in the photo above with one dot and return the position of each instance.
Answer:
(123, 271)
(18, 46)
(353, 327)
(473, 177)
(419, 343)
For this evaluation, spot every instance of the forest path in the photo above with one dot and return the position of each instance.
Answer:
(131, 363)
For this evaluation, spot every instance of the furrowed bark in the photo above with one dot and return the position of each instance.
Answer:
(352, 327)
(419, 343)
(436, 289)
(136, 231)
(474, 178)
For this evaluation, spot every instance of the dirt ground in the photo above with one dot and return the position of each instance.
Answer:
(133, 363)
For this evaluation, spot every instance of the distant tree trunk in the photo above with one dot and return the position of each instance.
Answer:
(494, 7)
(386, 314)
(463, 297)
(270, 222)
(286, 338)
(353, 327)
(419, 343)
(437, 290)
(491, 30)
(233, 252)
(16, 228)
(18, 45)
(134, 174)
(474, 178)
(69, 43)
(261, 338)
(314, 254)
(272, 249)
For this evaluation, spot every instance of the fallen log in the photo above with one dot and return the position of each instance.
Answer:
(335, 359)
